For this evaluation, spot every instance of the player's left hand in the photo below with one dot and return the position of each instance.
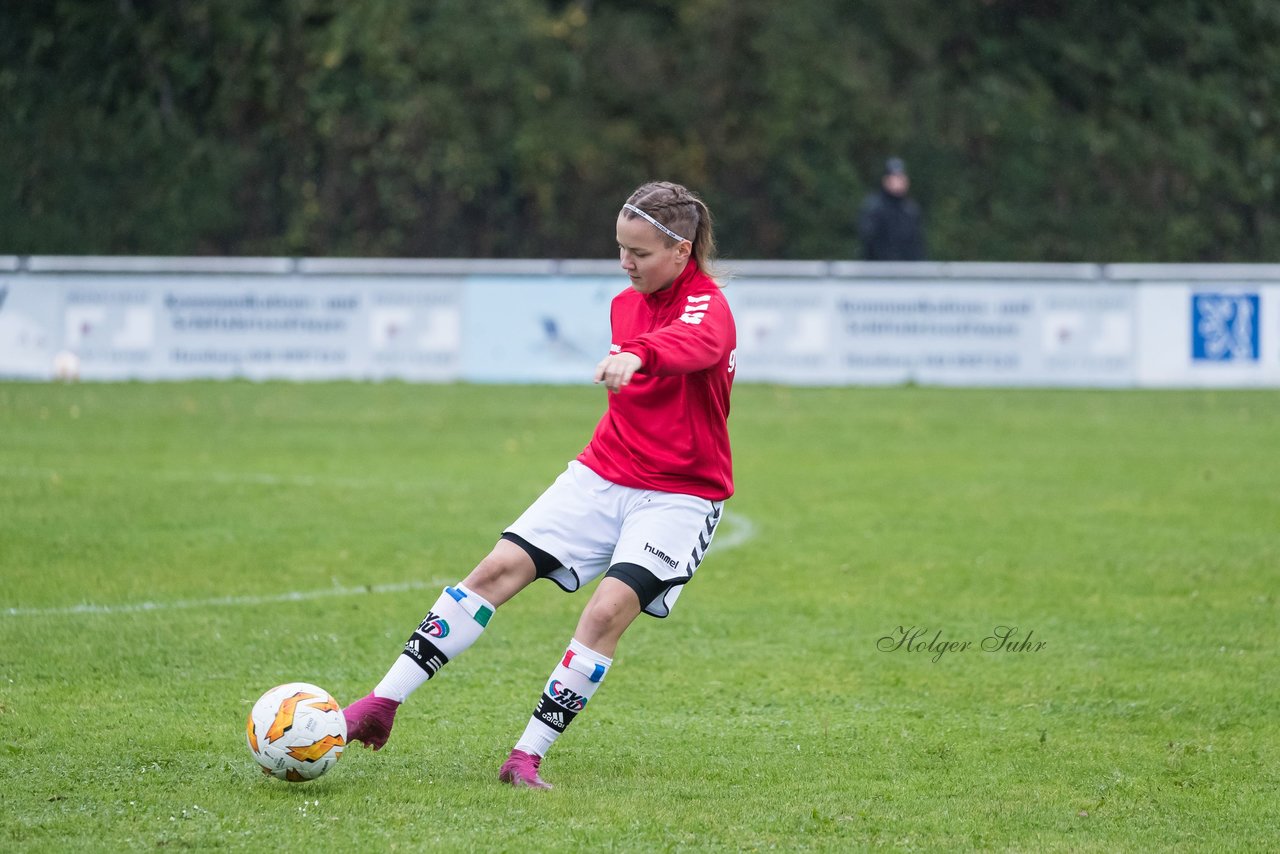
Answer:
(616, 370)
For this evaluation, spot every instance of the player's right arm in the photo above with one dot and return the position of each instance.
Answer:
(617, 369)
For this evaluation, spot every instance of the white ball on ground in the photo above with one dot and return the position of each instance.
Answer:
(296, 732)
(66, 366)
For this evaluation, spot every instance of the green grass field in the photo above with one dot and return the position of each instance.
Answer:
(153, 538)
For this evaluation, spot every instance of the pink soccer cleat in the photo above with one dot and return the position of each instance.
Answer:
(521, 769)
(369, 720)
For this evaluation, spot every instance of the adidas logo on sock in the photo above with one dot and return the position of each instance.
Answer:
(556, 719)
(430, 664)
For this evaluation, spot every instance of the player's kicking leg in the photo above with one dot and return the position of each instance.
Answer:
(453, 624)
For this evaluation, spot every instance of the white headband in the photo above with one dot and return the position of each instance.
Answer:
(668, 232)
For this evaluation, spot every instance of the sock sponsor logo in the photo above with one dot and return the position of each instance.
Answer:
(566, 696)
(425, 655)
(434, 626)
(553, 715)
(662, 556)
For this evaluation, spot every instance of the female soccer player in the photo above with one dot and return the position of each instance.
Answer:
(640, 503)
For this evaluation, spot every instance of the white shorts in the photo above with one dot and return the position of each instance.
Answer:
(589, 524)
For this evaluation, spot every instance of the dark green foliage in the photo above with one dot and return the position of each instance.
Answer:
(1034, 129)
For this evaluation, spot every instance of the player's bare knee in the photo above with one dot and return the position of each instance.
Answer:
(610, 611)
(601, 618)
(503, 573)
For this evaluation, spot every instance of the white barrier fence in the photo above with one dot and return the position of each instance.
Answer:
(828, 323)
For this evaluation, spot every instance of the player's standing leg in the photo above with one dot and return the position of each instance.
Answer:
(612, 608)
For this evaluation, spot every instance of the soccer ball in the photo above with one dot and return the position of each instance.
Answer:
(296, 732)
(66, 366)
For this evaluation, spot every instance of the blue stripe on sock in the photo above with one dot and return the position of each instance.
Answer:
(482, 613)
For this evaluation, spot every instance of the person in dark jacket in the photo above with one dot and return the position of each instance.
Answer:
(889, 222)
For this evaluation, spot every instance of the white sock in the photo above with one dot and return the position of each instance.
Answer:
(571, 685)
(452, 625)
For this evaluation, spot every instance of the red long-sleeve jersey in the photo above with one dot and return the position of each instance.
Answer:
(668, 429)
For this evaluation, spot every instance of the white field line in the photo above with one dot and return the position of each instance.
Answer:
(741, 531)
(88, 608)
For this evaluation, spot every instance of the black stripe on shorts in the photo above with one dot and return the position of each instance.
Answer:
(543, 562)
(642, 581)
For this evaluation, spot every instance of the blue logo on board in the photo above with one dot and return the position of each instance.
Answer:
(1224, 327)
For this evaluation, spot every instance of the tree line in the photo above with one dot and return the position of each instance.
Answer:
(1034, 130)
